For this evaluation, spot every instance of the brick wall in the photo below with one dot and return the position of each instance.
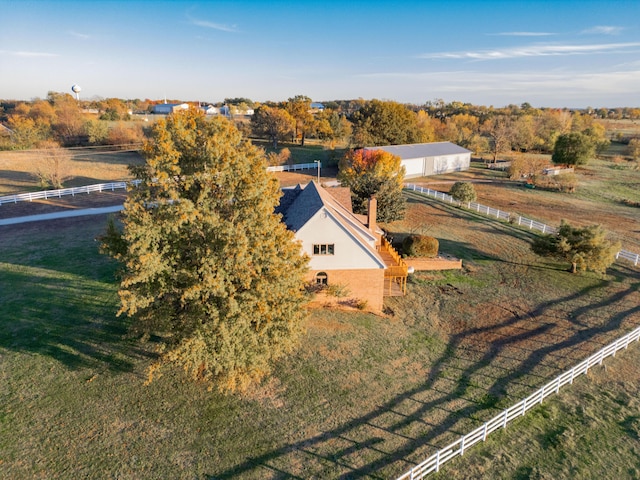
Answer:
(362, 285)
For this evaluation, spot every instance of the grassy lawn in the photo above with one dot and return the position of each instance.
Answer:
(363, 397)
(590, 431)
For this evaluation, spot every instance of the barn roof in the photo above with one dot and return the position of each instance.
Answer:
(422, 150)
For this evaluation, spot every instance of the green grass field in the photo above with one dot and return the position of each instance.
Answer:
(363, 397)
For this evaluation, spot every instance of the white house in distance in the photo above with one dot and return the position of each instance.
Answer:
(424, 159)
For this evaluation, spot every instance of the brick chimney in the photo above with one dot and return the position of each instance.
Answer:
(371, 213)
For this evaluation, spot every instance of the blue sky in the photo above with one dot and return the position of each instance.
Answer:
(548, 53)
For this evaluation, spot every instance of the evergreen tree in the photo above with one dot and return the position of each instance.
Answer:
(585, 248)
(573, 149)
(207, 266)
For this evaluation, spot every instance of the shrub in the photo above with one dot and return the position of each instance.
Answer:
(463, 192)
(420, 246)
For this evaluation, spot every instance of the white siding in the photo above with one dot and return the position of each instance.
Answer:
(322, 228)
(414, 167)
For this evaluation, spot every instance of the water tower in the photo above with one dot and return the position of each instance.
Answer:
(76, 89)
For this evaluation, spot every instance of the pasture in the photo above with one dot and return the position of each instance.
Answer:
(363, 397)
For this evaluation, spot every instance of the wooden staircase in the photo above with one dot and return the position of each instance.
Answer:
(395, 275)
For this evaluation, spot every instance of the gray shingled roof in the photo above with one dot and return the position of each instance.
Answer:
(422, 150)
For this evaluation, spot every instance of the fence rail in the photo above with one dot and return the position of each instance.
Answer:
(106, 187)
(507, 216)
(45, 194)
(435, 461)
(288, 168)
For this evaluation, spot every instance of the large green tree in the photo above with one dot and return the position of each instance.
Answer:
(208, 267)
(374, 172)
(573, 149)
(384, 123)
(586, 248)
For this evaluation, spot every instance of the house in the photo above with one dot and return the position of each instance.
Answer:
(316, 107)
(345, 249)
(424, 159)
(209, 110)
(167, 108)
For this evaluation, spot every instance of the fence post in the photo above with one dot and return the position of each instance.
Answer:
(519, 219)
(484, 432)
(572, 374)
(462, 445)
(544, 228)
(504, 420)
(637, 260)
(438, 461)
(524, 406)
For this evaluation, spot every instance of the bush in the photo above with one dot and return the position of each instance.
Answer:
(463, 192)
(420, 246)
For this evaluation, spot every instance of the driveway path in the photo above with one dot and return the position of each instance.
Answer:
(58, 215)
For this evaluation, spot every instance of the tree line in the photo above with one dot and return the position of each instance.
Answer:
(486, 131)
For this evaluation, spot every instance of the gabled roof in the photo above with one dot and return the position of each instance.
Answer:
(299, 205)
(422, 150)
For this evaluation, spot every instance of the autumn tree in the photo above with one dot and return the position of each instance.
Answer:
(384, 123)
(299, 107)
(633, 149)
(586, 248)
(374, 172)
(208, 268)
(274, 123)
(573, 149)
(499, 129)
(52, 165)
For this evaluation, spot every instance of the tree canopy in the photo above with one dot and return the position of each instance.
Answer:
(463, 192)
(207, 266)
(384, 123)
(374, 172)
(573, 148)
(586, 248)
(274, 123)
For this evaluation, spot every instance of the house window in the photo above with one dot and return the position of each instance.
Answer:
(321, 278)
(323, 249)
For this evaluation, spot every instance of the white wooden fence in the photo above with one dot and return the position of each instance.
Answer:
(45, 194)
(288, 168)
(435, 461)
(509, 217)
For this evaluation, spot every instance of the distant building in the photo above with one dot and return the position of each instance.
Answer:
(317, 107)
(167, 108)
(424, 159)
(210, 110)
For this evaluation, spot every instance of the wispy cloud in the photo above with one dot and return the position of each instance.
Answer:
(83, 36)
(604, 30)
(557, 85)
(534, 51)
(522, 34)
(23, 53)
(213, 25)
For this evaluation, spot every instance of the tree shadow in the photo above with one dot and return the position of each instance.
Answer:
(66, 317)
(543, 340)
